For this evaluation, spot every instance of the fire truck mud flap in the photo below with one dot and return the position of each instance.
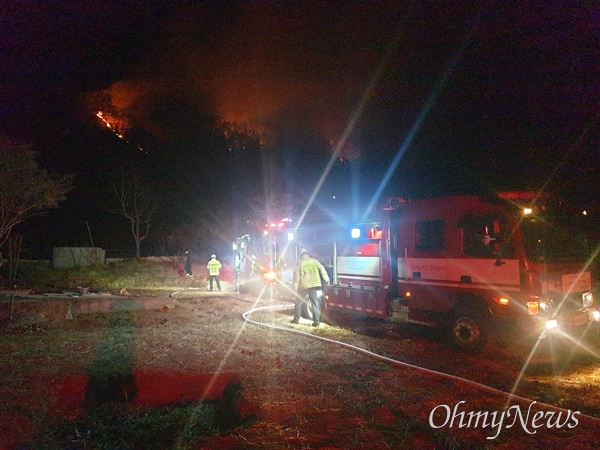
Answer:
(467, 329)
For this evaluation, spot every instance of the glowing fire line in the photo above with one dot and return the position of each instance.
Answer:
(114, 129)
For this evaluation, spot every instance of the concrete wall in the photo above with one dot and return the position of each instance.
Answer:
(69, 257)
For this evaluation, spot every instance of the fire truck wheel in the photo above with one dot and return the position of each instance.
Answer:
(467, 330)
(306, 310)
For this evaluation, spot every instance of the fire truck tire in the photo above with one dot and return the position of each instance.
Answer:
(306, 309)
(243, 289)
(467, 330)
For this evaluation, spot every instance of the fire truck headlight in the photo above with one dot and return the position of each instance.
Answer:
(550, 324)
(587, 299)
(596, 315)
(269, 275)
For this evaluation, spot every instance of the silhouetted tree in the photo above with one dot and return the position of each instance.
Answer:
(134, 197)
(26, 189)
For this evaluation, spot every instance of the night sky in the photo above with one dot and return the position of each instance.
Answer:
(415, 98)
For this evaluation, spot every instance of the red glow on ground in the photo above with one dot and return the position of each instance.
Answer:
(144, 389)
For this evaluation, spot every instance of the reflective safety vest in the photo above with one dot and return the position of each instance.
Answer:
(213, 267)
(308, 274)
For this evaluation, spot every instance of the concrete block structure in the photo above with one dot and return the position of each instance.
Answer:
(70, 257)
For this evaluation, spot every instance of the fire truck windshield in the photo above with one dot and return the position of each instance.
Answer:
(553, 242)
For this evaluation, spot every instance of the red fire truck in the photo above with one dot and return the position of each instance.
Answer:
(267, 256)
(258, 257)
(461, 262)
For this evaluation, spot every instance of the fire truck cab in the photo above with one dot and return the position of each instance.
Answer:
(463, 262)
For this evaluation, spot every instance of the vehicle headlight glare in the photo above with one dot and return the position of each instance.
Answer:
(546, 306)
(550, 324)
(587, 299)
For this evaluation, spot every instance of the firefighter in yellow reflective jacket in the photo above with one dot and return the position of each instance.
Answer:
(214, 268)
(307, 280)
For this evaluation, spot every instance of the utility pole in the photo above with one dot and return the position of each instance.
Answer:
(89, 232)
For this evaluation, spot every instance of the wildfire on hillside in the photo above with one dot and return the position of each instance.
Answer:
(117, 125)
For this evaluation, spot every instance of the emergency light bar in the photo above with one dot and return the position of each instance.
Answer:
(393, 203)
(282, 223)
(372, 232)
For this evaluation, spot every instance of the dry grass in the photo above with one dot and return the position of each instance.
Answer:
(158, 274)
(298, 392)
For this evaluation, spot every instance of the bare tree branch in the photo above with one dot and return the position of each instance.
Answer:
(25, 188)
(135, 199)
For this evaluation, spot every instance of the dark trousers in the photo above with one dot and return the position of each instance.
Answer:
(215, 278)
(316, 298)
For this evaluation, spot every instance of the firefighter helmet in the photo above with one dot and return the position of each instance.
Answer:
(303, 251)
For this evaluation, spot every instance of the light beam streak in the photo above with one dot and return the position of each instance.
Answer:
(366, 97)
(436, 91)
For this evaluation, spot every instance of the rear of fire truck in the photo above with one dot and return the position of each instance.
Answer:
(264, 259)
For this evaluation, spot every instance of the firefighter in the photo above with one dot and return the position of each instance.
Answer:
(188, 264)
(307, 280)
(214, 268)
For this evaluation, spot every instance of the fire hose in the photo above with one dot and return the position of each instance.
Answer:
(509, 396)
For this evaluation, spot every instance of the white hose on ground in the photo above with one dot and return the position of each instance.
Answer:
(510, 397)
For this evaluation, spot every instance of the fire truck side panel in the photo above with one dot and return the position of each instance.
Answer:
(359, 270)
(430, 281)
(361, 301)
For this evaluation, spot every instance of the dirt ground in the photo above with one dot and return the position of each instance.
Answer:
(350, 384)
